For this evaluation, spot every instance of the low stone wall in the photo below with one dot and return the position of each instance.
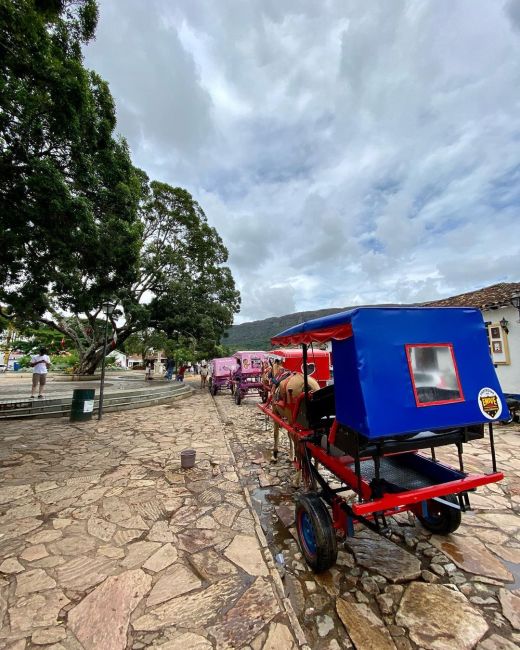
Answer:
(120, 400)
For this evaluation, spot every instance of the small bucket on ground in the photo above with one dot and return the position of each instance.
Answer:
(82, 405)
(188, 458)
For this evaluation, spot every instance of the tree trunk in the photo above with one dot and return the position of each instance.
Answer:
(90, 361)
(88, 339)
(92, 358)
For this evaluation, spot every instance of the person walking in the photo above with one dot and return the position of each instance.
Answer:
(180, 374)
(169, 368)
(203, 374)
(40, 363)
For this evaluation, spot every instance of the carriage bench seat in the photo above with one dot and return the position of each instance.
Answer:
(349, 442)
(320, 411)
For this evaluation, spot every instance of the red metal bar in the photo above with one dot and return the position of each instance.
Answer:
(332, 432)
(341, 467)
(283, 423)
(410, 497)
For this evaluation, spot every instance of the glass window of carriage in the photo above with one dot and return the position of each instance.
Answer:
(434, 374)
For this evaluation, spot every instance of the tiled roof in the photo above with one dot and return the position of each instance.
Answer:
(497, 295)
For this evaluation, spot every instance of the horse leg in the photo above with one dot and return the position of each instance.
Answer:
(292, 449)
(276, 431)
(296, 480)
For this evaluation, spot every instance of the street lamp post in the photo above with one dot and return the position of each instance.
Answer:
(108, 308)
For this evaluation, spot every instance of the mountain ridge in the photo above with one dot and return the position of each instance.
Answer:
(257, 334)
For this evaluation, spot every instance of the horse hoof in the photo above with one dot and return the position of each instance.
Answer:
(274, 457)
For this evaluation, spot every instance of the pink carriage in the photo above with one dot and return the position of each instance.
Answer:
(247, 378)
(222, 370)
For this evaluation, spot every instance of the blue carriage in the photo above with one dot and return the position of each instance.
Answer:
(406, 380)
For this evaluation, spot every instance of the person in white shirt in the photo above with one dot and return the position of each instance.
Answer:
(40, 363)
(203, 374)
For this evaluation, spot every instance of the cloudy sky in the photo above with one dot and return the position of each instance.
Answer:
(348, 152)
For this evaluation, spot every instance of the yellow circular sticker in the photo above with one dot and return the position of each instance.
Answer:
(489, 403)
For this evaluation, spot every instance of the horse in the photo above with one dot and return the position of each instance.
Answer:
(266, 379)
(285, 393)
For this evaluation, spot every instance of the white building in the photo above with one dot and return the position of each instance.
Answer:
(118, 358)
(502, 318)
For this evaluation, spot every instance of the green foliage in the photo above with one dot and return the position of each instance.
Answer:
(144, 342)
(67, 187)
(220, 351)
(29, 338)
(64, 362)
(24, 361)
(181, 266)
(194, 292)
(58, 361)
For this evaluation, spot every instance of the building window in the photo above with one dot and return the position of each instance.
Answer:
(498, 344)
(434, 374)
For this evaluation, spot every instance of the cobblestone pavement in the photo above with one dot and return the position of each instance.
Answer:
(413, 590)
(106, 543)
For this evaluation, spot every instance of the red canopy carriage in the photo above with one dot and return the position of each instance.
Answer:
(318, 362)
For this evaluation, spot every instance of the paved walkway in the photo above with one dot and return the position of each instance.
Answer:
(106, 543)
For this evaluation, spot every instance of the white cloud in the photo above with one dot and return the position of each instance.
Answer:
(347, 152)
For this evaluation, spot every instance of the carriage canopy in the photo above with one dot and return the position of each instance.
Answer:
(223, 367)
(402, 370)
(318, 362)
(250, 362)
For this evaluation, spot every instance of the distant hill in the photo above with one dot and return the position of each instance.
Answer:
(256, 334)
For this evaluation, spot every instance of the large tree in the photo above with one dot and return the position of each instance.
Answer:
(182, 289)
(79, 223)
(68, 190)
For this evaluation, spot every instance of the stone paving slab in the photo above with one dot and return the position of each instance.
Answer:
(106, 543)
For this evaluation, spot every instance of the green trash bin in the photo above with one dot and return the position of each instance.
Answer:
(82, 405)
